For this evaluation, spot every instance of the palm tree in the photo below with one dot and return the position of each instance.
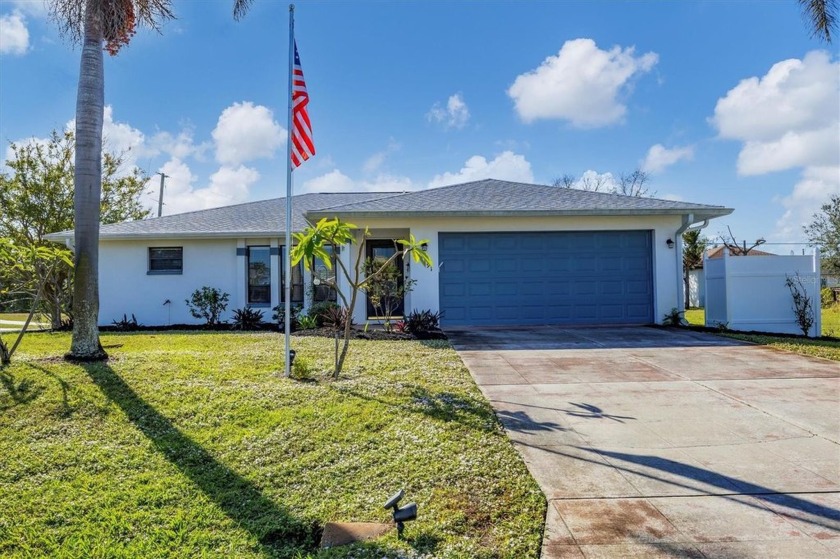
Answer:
(822, 16)
(94, 24)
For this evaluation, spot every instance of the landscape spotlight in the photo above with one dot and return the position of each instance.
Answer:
(401, 514)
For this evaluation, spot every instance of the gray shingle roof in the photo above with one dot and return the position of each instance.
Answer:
(495, 197)
(486, 197)
(263, 218)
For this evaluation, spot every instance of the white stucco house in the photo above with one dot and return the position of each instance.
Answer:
(504, 253)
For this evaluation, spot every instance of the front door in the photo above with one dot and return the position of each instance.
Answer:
(379, 251)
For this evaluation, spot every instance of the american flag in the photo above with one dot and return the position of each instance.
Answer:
(301, 134)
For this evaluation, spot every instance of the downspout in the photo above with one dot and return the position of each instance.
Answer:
(688, 220)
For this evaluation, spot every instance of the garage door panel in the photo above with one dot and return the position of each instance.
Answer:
(546, 278)
(480, 289)
(505, 266)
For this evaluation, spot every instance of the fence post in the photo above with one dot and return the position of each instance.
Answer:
(817, 294)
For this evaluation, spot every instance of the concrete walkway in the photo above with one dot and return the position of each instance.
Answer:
(660, 443)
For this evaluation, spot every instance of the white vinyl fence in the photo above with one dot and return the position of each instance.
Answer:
(749, 293)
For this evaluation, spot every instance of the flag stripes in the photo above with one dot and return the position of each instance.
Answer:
(301, 133)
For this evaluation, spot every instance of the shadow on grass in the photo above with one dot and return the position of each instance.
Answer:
(66, 409)
(19, 392)
(444, 406)
(279, 532)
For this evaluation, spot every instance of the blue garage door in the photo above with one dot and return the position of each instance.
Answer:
(581, 277)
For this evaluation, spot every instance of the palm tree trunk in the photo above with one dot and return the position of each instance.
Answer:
(90, 103)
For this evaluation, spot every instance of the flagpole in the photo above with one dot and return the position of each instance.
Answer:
(287, 289)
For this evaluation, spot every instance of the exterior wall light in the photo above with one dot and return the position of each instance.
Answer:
(670, 243)
(425, 247)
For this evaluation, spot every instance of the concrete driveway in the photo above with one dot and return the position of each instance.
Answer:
(661, 443)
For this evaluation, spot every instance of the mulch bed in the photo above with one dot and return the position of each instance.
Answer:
(371, 334)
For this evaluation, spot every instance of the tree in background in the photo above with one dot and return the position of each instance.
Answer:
(17, 263)
(822, 17)
(628, 184)
(37, 199)
(824, 232)
(94, 24)
(694, 245)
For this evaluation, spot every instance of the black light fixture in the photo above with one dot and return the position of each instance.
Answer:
(670, 243)
(425, 247)
(401, 514)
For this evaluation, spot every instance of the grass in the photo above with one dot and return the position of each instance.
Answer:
(11, 321)
(191, 445)
(827, 349)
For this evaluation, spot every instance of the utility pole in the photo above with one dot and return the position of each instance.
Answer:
(160, 197)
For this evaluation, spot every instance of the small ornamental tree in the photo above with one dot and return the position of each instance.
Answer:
(26, 271)
(312, 243)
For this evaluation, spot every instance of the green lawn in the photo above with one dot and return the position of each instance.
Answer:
(16, 320)
(817, 348)
(191, 445)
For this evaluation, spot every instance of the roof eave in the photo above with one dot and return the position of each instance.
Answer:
(62, 237)
(699, 213)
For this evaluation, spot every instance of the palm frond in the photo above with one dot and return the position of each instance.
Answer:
(822, 16)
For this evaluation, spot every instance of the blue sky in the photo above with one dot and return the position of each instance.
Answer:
(729, 103)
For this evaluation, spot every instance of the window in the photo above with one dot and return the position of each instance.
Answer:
(259, 275)
(297, 281)
(166, 260)
(323, 277)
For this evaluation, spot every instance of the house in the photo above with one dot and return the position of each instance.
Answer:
(696, 282)
(504, 253)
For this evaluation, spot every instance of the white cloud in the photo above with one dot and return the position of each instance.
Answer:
(788, 119)
(813, 190)
(659, 157)
(14, 36)
(228, 185)
(582, 84)
(505, 166)
(375, 161)
(180, 145)
(245, 132)
(336, 181)
(596, 182)
(454, 115)
(36, 8)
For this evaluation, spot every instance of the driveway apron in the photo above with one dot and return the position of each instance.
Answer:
(668, 443)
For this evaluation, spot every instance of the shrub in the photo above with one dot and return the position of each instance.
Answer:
(307, 322)
(422, 323)
(301, 369)
(126, 324)
(803, 307)
(320, 309)
(247, 319)
(674, 318)
(336, 318)
(208, 303)
(827, 297)
(280, 313)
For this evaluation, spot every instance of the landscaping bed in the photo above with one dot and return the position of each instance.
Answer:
(193, 445)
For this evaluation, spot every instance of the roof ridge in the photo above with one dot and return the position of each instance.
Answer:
(386, 194)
